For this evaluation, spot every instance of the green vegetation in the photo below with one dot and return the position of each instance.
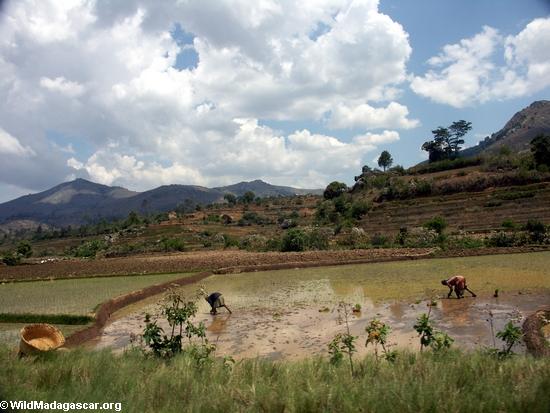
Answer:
(457, 382)
(72, 297)
(334, 190)
(438, 224)
(385, 160)
(446, 142)
(446, 164)
(540, 148)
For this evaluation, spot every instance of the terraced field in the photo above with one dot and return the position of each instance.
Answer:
(469, 211)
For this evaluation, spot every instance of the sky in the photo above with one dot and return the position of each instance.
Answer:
(140, 93)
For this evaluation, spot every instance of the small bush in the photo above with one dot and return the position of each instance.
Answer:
(438, 224)
(89, 249)
(536, 229)
(420, 237)
(502, 239)
(254, 242)
(317, 239)
(513, 195)
(11, 259)
(24, 249)
(379, 240)
(294, 240)
(172, 244)
(508, 224)
(359, 208)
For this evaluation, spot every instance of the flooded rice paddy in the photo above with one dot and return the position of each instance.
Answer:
(293, 313)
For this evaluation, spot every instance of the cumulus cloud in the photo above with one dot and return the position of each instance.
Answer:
(62, 85)
(105, 73)
(10, 145)
(257, 151)
(465, 73)
(368, 117)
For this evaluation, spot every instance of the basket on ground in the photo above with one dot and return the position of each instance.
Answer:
(37, 338)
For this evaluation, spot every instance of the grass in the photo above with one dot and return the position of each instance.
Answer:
(403, 280)
(454, 382)
(71, 296)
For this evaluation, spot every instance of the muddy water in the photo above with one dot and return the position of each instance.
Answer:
(305, 327)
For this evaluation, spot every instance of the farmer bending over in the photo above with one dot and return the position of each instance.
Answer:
(216, 301)
(459, 284)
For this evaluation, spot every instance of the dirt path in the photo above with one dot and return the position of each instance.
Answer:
(216, 260)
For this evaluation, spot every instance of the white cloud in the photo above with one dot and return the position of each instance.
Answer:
(377, 139)
(367, 117)
(63, 86)
(104, 72)
(466, 73)
(257, 151)
(10, 145)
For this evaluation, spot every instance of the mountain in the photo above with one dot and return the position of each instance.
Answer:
(81, 201)
(263, 189)
(518, 131)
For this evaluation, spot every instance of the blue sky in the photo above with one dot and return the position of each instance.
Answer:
(141, 94)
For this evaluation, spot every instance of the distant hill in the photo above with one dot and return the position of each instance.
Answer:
(263, 189)
(518, 131)
(81, 201)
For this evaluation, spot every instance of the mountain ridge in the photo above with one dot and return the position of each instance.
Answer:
(517, 133)
(81, 201)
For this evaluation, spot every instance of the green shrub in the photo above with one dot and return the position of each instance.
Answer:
(24, 249)
(379, 240)
(536, 230)
(172, 244)
(253, 242)
(447, 164)
(502, 239)
(294, 240)
(513, 195)
(438, 224)
(508, 224)
(334, 190)
(358, 209)
(11, 259)
(89, 249)
(317, 239)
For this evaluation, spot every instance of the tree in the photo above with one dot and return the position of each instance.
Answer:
(133, 219)
(435, 151)
(446, 142)
(385, 160)
(230, 198)
(248, 197)
(540, 147)
(334, 190)
(24, 249)
(457, 131)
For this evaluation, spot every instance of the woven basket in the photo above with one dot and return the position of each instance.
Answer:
(37, 338)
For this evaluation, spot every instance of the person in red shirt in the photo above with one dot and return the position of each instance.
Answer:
(458, 282)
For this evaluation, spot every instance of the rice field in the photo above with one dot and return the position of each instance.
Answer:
(292, 313)
(379, 282)
(71, 296)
